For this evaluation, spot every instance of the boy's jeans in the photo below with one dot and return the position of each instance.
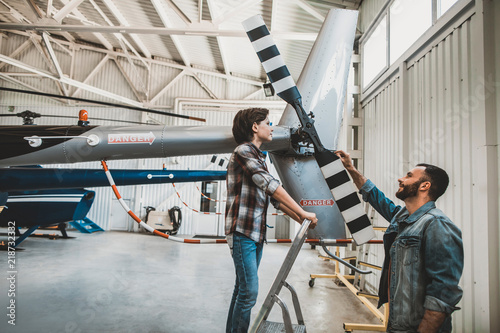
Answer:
(246, 257)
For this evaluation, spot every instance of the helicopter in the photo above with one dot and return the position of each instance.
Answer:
(30, 192)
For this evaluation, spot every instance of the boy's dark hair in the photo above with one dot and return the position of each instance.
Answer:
(243, 122)
(437, 177)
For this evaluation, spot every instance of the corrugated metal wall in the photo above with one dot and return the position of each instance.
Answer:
(382, 125)
(434, 113)
(441, 133)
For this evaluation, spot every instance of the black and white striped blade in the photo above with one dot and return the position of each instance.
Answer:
(271, 59)
(345, 194)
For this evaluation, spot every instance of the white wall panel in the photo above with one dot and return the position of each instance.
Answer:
(382, 147)
(441, 134)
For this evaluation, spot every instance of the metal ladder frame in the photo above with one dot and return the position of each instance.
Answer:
(272, 297)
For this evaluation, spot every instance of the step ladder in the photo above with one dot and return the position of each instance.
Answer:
(86, 226)
(261, 325)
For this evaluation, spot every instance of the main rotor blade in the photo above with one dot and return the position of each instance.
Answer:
(72, 117)
(271, 59)
(103, 103)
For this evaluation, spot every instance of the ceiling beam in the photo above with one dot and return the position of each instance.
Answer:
(220, 42)
(53, 57)
(70, 82)
(274, 10)
(19, 50)
(36, 40)
(203, 86)
(49, 8)
(237, 9)
(306, 36)
(36, 10)
(347, 4)
(91, 75)
(177, 10)
(138, 95)
(200, 10)
(310, 10)
(15, 14)
(76, 14)
(68, 8)
(119, 37)
(167, 87)
(167, 23)
(134, 68)
(40, 15)
(123, 21)
(117, 53)
(52, 54)
(64, 48)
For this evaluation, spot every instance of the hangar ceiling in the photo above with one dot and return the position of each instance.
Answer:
(194, 36)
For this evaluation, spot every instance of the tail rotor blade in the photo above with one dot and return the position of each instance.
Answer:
(271, 59)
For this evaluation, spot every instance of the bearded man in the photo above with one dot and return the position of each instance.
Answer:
(423, 250)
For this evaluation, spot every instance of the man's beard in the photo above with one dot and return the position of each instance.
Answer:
(408, 191)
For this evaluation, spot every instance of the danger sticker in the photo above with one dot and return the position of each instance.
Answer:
(319, 202)
(128, 138)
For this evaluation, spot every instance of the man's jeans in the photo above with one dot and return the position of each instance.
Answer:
(246, 257)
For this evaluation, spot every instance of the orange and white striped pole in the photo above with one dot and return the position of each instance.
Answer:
(144, 225)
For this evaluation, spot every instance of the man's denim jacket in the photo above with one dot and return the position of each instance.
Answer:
(424, 253)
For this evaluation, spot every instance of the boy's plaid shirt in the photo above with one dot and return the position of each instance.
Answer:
(249, 187)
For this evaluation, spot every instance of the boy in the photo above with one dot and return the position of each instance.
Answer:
(249, 188)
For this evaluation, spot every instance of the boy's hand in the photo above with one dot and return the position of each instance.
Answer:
(311, 217)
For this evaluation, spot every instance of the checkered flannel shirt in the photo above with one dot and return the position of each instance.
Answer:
(249, 187)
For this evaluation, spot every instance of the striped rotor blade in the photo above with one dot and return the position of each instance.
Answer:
(271, 59)
(345, 195)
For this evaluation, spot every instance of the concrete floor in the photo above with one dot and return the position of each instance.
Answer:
(135, 282)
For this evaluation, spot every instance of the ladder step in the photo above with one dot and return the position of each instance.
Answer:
(272, 327)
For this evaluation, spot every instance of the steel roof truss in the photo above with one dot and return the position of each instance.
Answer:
(167, 87)
(140, 96)
(19, 50)
(238, 9)
(84, 20)
(93, 73)
(118, 15)
(220, 43)
(68, 8)
(167, 23)
(53, 58)
(310, 10)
